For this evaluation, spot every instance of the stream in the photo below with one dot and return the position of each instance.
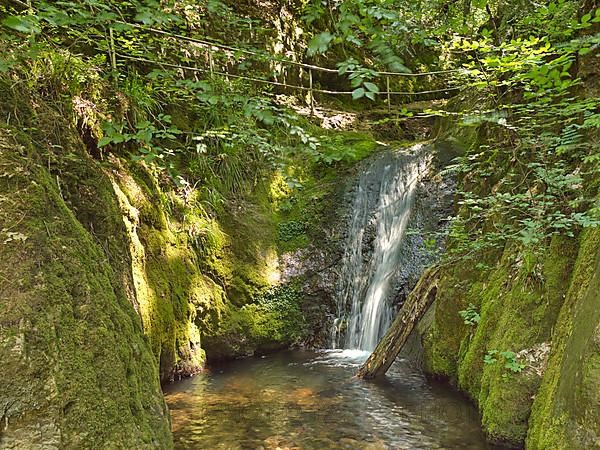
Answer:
(310, 400)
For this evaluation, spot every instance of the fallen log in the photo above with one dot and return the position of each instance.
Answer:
(415, 306)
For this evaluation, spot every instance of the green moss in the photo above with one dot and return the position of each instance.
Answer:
(348, 146)
(518, 314)
(535, 302)
(251, 252)
(566, 411)
(292, 235)
(67, 328)
(281, 213)
(518, 301)
(135, 245)
(275, 321)
(199, 273)
(170, 290)
(144, 192)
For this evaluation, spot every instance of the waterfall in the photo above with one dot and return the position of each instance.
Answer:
(381, 210)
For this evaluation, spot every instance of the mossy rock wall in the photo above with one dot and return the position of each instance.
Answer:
(544, 310)
(85, 246)
(538, 303)
(76, 370)
(518, 299)
(566, 410)
(170, 290)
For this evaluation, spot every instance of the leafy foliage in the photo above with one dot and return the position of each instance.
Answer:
(527, 178)
(290, 230)
(149, 57)
(470, 315)
(234, 132)
(511, 362)
(278, 315)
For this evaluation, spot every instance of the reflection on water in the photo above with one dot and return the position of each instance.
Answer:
(306, 400)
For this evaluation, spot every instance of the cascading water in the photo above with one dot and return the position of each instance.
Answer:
(372, 259)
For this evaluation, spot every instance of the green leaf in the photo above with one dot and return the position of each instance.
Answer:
(265, 116)
(122, 27)
(372, 87)
(489, 357)
(57, 19)
(320, 43)
(144, 135)
(354, 40)
(22, 24)
(104, 141)
(146, 17)
(143, 124)
(106, 16)
(355, 81)
(358, 93)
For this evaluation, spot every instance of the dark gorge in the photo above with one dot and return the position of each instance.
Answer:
(214, 214)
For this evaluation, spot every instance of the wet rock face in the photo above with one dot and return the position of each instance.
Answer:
(319, 266)
(316, 271)
(428, 224)
(316, 268)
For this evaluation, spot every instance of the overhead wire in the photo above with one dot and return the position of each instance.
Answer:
(208, 43)
(278, 83)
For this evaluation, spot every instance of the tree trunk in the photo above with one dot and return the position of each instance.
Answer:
(417, 303)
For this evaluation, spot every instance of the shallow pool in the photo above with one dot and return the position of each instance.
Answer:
(310, 400)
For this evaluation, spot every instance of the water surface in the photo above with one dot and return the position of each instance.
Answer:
(308, 400)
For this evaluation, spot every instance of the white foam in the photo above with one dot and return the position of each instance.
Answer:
(341, 358)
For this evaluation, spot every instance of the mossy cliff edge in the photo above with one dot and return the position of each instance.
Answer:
(517, 328)
(113, 280)
(76, 369)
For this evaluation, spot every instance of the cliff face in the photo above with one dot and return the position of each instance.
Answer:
(566, 409)
(540, 310)
(87, 252)
(76, 369)
(113, 280)
(107, 283)
(517, 329)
